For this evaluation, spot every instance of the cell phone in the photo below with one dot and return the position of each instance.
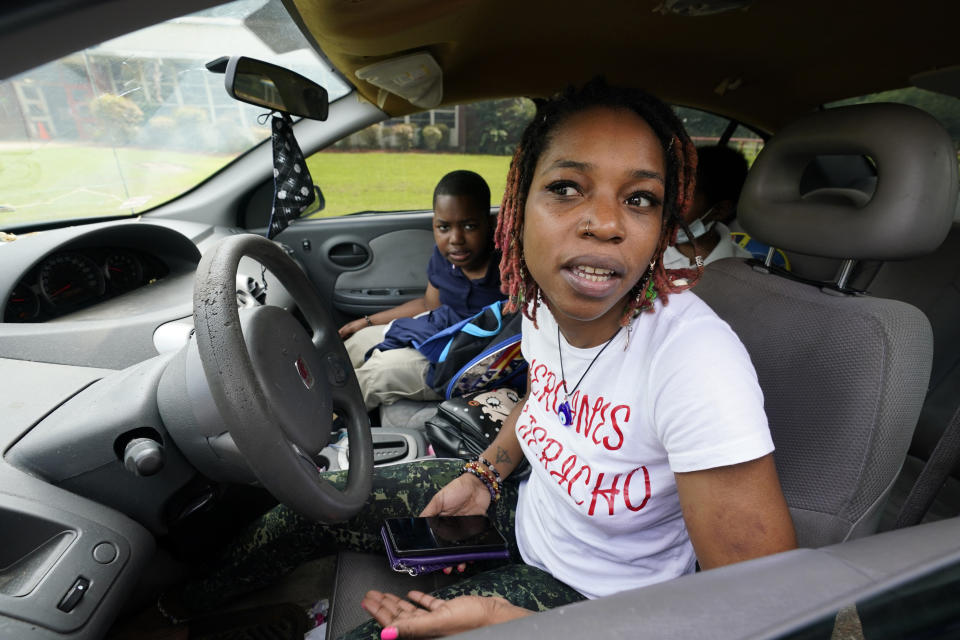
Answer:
(443, 536)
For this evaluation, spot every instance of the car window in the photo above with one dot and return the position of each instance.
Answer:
(394, 165)
(121, 127)
(944, 108)
(926, 607)
(707, 129)
(748, 141)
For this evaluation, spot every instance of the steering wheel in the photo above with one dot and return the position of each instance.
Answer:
(276, 385)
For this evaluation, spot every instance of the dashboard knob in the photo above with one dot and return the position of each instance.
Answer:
(143, 456)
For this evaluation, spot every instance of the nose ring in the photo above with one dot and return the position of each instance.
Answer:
(586, 229)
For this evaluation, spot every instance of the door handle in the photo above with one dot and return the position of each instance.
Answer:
(348, 254)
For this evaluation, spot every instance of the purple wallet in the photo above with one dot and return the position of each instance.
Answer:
(425, 564)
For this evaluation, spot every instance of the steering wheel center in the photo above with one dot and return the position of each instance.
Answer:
(289, 370)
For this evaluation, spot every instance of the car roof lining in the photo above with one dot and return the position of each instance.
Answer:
(783, 58)
(783, 61)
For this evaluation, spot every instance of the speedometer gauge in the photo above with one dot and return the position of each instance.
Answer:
(70, 279)
(23, 305)
(124, 271)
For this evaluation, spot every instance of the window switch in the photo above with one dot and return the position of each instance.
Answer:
(74, 594)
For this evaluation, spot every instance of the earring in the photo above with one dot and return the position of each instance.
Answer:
(647, 291)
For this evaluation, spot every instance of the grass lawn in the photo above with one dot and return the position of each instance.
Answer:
(377, 181)
(52, 182)
(49, 182)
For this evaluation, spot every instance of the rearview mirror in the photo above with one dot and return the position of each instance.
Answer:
(267, 85)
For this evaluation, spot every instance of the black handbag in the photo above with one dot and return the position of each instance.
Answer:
(464, 427)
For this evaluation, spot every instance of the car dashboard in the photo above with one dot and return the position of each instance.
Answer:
(73, 280)
(108, 294)
(91, 314)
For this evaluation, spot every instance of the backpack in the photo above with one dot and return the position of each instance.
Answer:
(478, 353)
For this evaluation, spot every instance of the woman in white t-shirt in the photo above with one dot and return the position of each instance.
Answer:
(645, 432)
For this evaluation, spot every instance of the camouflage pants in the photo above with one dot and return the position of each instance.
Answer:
(281, 540)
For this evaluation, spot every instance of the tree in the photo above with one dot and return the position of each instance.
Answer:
(494, 127)
(944, 108)
(118, 118)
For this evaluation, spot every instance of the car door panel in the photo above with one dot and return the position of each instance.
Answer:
(364, 264)
(395, 272)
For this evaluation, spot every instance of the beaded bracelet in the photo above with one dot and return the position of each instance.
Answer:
(490, 466)
(494, 480)
(485, 477)
(488, 478)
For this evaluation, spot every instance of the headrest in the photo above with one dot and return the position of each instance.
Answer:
(909, 211)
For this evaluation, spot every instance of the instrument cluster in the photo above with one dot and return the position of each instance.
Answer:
(70, 280)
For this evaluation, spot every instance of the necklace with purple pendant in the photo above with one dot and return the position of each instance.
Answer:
(564, 411)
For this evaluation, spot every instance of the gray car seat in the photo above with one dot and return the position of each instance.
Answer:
(843, 375)
(932, 284)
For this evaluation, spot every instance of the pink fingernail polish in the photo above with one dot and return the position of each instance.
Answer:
(389, 633)
(447, 570)
(363, 605)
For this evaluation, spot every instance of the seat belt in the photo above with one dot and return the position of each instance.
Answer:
(934, 474)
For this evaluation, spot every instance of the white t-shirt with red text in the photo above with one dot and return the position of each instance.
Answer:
(600, 510)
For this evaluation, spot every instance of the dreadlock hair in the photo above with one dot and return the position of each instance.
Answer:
(681, 162)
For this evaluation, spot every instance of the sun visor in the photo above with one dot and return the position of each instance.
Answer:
(416, 78)
(908, 213)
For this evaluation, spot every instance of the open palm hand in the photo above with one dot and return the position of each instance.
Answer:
(424, 616)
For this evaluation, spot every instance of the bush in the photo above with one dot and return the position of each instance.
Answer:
(230, 136)
(192, 129)
(118, 118)
(432, 136)
(404, 135)
(444, 136)
(190, 117)
(159, 132)
(368, 138)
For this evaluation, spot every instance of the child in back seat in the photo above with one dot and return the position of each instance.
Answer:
(721, 172)
(463, 277)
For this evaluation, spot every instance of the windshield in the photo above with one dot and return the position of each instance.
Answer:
(129, 124)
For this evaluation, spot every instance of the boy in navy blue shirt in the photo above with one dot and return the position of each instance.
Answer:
(463, 277)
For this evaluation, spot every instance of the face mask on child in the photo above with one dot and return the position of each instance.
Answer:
(697, 228)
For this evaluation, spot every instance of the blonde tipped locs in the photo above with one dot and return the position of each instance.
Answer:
(680, 156)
